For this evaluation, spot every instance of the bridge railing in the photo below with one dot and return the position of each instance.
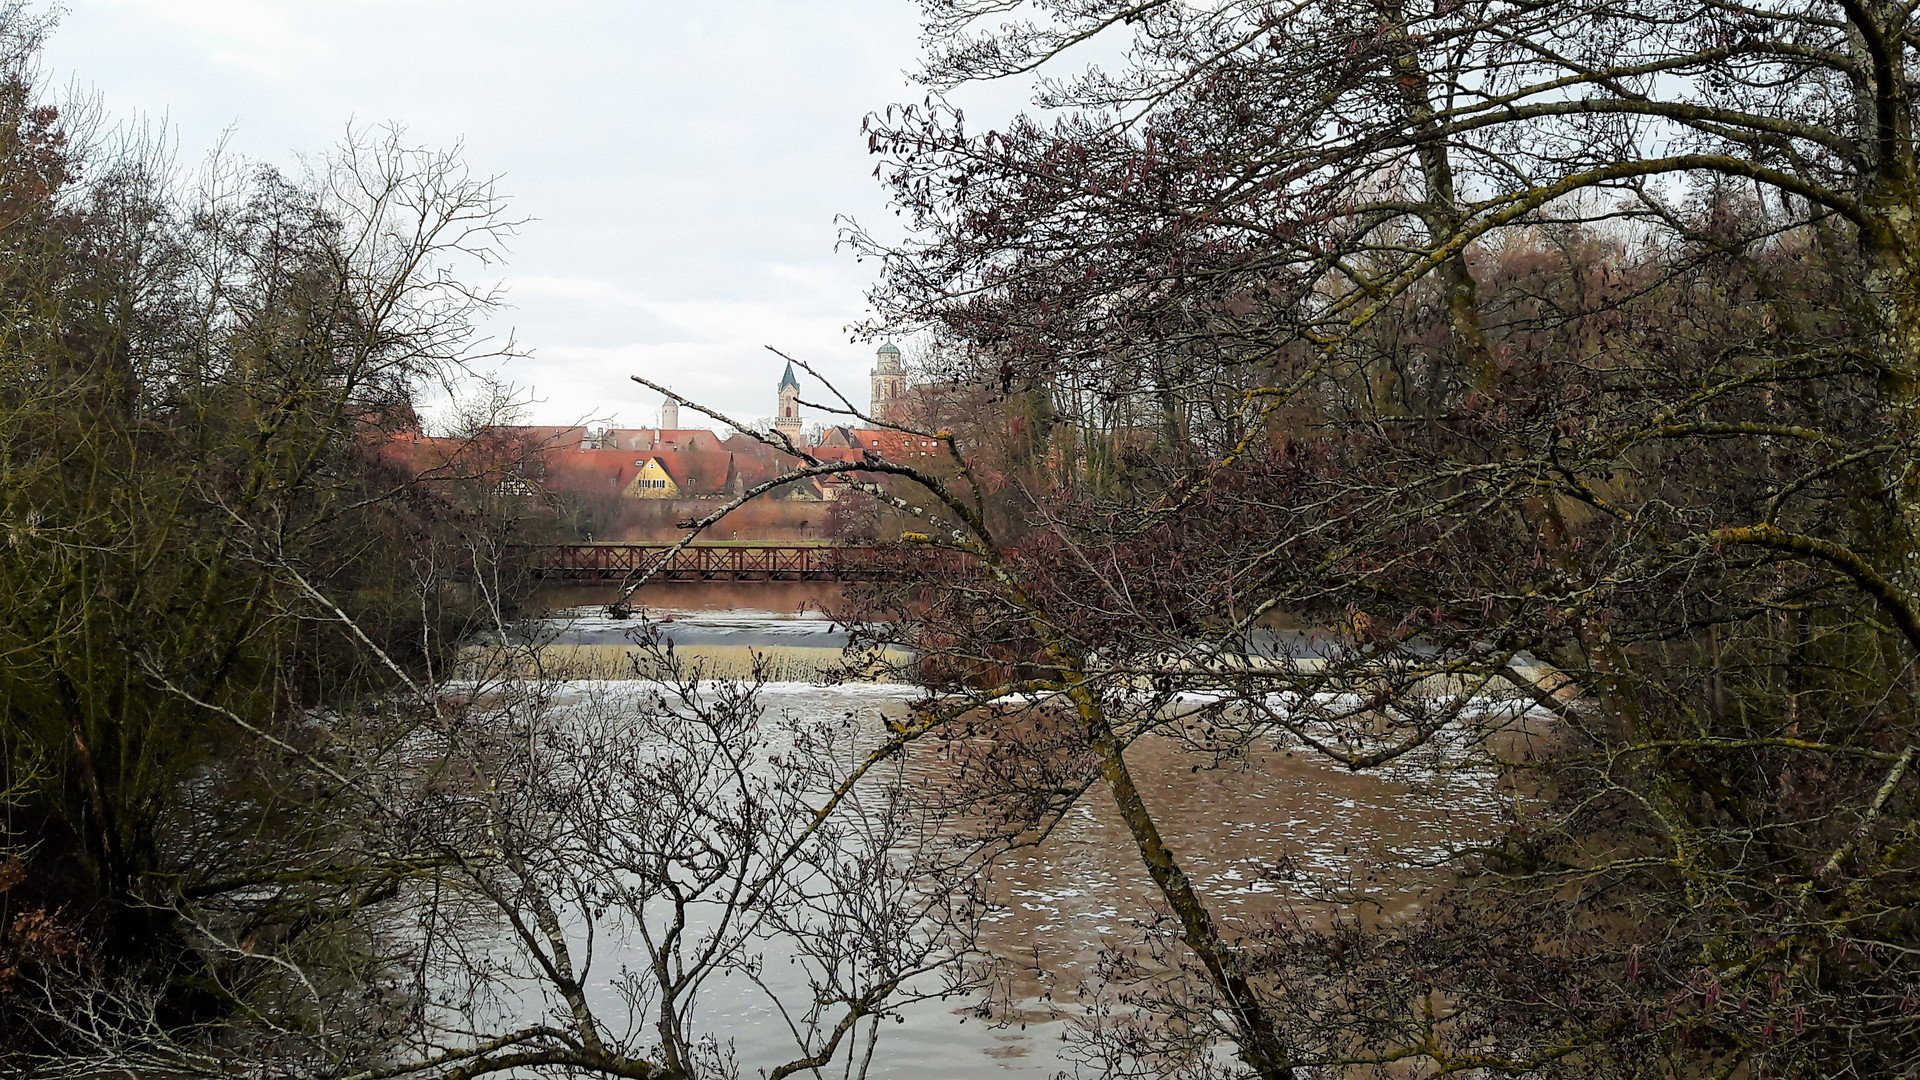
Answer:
(707, 562)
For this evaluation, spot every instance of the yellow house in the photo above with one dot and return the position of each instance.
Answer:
(653, 481)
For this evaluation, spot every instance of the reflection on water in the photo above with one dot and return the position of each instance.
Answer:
(1084, 887)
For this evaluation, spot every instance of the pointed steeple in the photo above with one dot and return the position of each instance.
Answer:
(787, 420)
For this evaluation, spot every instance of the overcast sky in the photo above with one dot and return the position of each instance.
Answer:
(684, 162)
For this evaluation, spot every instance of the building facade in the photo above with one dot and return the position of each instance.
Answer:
(652, 481)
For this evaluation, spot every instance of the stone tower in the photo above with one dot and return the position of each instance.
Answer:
(788, 419)
(889, 382)
(670, 414)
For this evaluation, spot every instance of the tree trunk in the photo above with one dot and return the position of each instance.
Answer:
(1890, 247)
(1260, 1045)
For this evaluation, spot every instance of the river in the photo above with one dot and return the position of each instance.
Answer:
(1083, 890)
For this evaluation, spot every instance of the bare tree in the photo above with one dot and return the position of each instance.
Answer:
(1548, 354)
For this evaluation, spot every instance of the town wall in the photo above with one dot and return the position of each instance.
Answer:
(637, 521)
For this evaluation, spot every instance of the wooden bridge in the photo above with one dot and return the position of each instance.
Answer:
(706, 562)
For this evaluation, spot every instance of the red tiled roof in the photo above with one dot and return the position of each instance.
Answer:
(888, 444)
(423, 454)
(545, 437)
(696, 439)
(590, 472)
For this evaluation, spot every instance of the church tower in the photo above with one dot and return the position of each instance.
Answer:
(889, 383)
(670, 414)
(788, 419)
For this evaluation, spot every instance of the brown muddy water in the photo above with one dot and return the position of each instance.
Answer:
(1083, 890)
